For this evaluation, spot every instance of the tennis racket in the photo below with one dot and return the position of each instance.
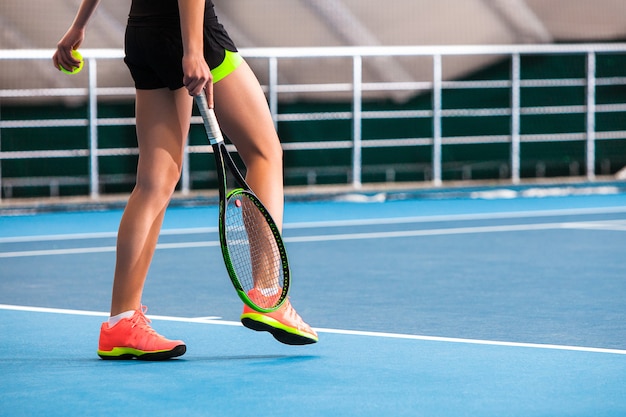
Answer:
(252, 246)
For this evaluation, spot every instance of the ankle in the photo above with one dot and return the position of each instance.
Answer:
(113, 320)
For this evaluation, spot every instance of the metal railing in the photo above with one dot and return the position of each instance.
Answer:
(357, 87)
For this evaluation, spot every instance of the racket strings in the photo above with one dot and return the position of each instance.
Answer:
(253, 251)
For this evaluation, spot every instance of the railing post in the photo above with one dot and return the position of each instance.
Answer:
(357, 116)
(437, 119)
(94, 180)
(591, 116)
(515, 117)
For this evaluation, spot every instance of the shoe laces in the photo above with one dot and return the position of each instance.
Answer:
(293, 315)
(140, 320)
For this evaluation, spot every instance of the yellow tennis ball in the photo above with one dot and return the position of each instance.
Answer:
(75, 70)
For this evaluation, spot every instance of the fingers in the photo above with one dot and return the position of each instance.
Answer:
(194, 85)
(197, 78)
(63, 55)
(209, 94)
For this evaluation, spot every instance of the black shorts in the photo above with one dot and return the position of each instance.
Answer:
(154, 51)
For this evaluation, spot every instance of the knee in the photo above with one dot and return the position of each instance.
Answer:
(159, 184)
(270, 152)
(273, 153)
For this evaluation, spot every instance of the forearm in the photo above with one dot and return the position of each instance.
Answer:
(191, 23)
(74, 36)
(196, 73)
(85, 11)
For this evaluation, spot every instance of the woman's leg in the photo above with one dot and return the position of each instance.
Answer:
(163, 118)
(244, 116)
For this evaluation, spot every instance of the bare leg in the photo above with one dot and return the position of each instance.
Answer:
(244, 115)
(162, 127)
(245, 118)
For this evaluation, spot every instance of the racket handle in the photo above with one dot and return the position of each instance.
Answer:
(211, 126)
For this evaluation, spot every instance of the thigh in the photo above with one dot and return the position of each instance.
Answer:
(163, 118)
(244, 114)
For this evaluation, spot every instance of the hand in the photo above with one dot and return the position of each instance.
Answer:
(197, 77)
(63, 55)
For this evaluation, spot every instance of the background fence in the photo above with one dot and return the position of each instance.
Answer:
(570, 100)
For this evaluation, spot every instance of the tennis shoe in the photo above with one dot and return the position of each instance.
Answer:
(284, 324)
(134, 338)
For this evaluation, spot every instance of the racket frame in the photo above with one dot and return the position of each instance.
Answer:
(223, 162)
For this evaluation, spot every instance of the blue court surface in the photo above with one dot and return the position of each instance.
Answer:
(486, 304)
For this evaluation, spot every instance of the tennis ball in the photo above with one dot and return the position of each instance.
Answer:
(75, 70)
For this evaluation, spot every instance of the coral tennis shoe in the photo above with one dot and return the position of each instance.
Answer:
(284, 324)
(134, 338)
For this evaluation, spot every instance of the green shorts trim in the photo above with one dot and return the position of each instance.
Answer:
(231, 61)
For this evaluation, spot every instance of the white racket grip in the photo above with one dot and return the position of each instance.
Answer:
(210, 121)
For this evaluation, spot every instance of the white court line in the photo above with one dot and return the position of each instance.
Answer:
(328, 238)
(319, 238)
(429, 232)
(611, 225)
(101, 249)
(341, 223)
(101, 235)
(459, 217)
(52, 252)
(68, 236)
(212, 320)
